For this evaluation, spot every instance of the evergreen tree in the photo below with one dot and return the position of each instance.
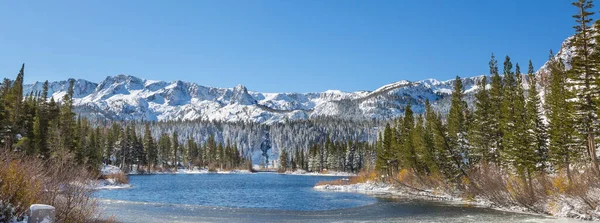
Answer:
(283, 161)
(175, 148)
(496, 98)
(407, 155)
(507, 123)
(429, 139)
(193, 153)
(584, 78)
(521, 153)
(384, 153)
(481, 132)
(150, 147)
(561, 150)
(422, 158)
(537, 130)
(458, 149)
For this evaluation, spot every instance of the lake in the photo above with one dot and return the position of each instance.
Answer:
(270, 197)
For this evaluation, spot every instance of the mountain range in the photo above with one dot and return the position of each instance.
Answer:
(125, 97)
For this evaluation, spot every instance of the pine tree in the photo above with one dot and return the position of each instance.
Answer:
(537, 129)
(422, 158)
(13, 99)
(583, 80)
(220, 155)
(350, 150)
(150, 147)
(3, 120)
(496, 98)
(164, 145)
(429, 139)
(457, 129)
(384, 153)
(481, 131)
(193, 155)
(211, 148)
(175, 148)
(407, 155)
(524, 157)
(561, 150)
(67, 120)
(507, 122)
(283, 161)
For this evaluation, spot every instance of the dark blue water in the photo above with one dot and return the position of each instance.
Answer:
(263, 190)
(267, 197)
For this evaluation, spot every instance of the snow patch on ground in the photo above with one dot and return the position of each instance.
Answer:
(328, 173)
(109, 170)
(110, 184)
(363, 188)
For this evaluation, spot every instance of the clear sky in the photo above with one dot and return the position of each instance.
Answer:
(276, 45)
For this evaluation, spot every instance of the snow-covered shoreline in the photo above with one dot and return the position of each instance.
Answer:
(329, 173)
(110, 184)
(563, 210)
(195, 171)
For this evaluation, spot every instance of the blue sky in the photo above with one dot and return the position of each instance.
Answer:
(277, 45)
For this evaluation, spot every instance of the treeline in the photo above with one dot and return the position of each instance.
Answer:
(38, 126)
(142, 152)
(345, 156)
(508, 126)
(249, 136)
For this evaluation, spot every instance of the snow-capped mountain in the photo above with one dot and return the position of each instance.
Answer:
(126, 97)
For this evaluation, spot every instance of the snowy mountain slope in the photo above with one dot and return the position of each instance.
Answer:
(126, 97)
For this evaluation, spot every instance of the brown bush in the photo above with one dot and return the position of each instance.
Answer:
(584, 185)
(19, 186)
(332, 182)
(361, 177)
(57, 182)
(119, 178)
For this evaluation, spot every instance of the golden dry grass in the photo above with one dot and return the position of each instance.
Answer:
(361, 177)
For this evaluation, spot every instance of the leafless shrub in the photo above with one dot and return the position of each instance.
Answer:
(57, 182)
(118, 177)
(490, 182)
(19, 185)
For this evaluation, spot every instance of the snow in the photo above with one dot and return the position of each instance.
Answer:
(110, 184)
(564, 207)
(35, 207)
(125, 97)
(328, 173)
(364, 188)
(110, 169)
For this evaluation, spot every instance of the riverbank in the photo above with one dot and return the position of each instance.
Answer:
(564, 207)
(327, 173)
(270, 197)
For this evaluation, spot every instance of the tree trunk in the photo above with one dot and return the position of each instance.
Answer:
(592, 151)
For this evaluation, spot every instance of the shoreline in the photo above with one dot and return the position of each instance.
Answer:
(380, 211)
(384, 190)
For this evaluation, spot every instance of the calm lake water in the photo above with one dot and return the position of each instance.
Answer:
(263, 190)
(268, 197)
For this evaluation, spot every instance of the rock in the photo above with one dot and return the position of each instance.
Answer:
(41, 213)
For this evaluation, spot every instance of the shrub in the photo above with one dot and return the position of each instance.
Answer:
(118, 178)
(57, 182)
(19, 187)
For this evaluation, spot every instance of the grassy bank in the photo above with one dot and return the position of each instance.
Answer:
(556, 195)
